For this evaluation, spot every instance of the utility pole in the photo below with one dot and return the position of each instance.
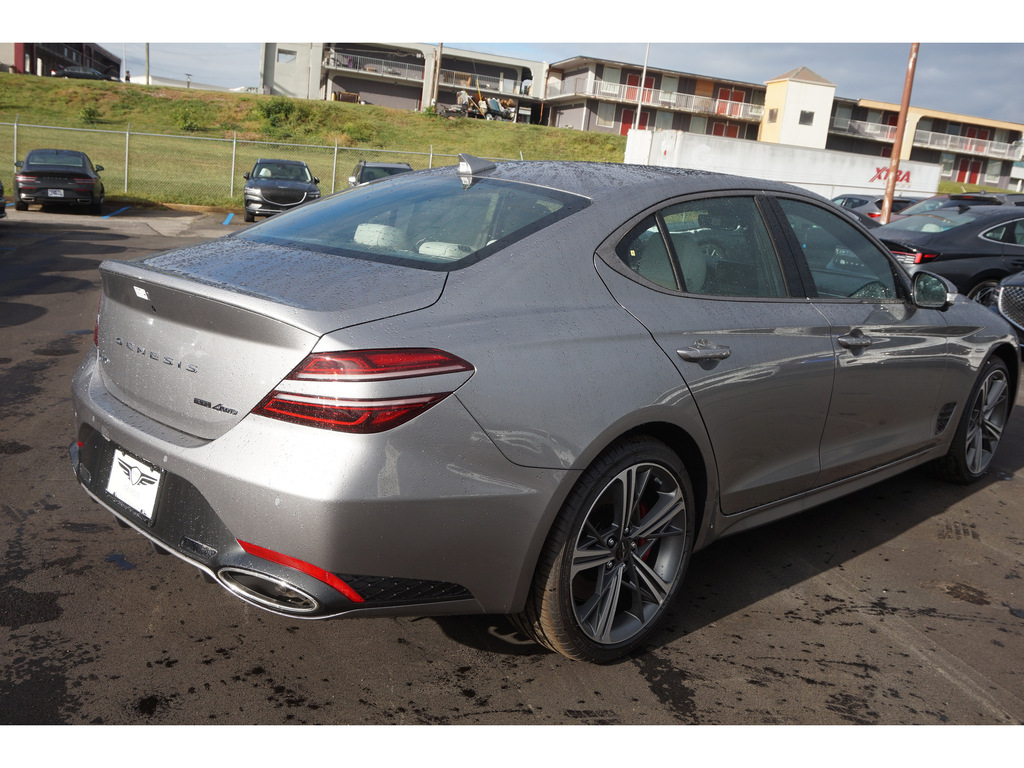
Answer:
(640, 98)
(147, 65)
(897, 145)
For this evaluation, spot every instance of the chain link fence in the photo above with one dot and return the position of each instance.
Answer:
(191, 170)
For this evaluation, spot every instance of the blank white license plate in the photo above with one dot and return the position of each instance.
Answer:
(55, 192)
(134, 482)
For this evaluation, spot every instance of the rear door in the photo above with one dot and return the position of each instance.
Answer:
(703, 277)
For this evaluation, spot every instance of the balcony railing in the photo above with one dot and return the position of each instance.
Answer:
(373, 66)
(968, 145)
(631, 94)
(931, 140)
(472, 82)
(864, 129)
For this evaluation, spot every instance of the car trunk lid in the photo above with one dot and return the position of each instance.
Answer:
(196, 338)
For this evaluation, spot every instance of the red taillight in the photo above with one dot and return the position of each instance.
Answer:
(918, 258)
(361, 417)
(22, 178)
(377, 365)
(874, 215)
(316, 400)
(319, 574)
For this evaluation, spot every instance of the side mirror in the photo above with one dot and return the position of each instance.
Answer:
(245, 175)
(98, 168)
(316, 179)
(352, 180)
(932, 291)
(18, 164)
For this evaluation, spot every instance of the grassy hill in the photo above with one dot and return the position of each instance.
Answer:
(155, 109)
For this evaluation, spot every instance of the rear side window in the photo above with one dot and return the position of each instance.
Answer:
(429, 222)
(843, 263)
(712, 247)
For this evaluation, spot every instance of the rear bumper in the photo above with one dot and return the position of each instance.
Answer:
(427, 519)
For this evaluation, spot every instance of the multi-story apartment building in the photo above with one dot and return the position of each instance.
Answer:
(609, 96)
(400, 75)
(798, 108)
(41, 58)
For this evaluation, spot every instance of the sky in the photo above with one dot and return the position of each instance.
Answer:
(977, 74)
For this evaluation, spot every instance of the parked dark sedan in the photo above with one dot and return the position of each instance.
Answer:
(365, 172)
(82, 73)
(957, 200)
(273, 186)
(975, 247)
(58, 177)
(870, 206)
(1010, 302)
(524, 388)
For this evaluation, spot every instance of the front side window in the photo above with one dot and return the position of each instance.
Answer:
(712, 247)
(432, 222)
(843, 263)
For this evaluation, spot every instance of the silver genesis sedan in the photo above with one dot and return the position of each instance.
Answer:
(524, 388)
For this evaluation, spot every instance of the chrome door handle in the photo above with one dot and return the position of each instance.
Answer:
(703, 350)
(855, 341)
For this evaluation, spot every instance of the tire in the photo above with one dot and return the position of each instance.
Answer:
(984, 292)
(606, 576)
(249, 217)
(96, 207)
(981, 426)
(20, 206)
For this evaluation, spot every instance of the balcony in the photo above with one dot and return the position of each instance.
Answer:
(941, 141)
(864, 129)
(384, 68)
(631, 94)
(969, 146)
(472, 82)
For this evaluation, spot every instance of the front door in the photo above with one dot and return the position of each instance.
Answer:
(889, 354)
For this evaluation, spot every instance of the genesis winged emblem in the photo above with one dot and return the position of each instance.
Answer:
(135, 475)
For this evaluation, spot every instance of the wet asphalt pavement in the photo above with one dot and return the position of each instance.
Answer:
(902, 604)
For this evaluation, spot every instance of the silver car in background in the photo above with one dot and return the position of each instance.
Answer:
(530, 388)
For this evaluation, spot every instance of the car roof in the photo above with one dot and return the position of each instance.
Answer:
(606, 182)
(42, 150)
(282, 162)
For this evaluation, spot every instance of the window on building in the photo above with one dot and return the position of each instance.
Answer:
(947, 164)
(806, 117)
(285, 57)
(993, 171)
(773, 115)
(663, 120)
(610, 80)
(606, 114)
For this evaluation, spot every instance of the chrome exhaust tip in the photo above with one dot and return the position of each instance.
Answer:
(267, 592)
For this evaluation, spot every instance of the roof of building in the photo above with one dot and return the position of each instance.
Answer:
(802, 75)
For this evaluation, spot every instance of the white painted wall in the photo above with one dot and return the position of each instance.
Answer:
(819, 170)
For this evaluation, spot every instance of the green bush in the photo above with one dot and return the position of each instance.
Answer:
(89, 114)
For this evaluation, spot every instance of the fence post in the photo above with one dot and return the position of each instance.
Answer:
(334, 168)
(430, 163)
(16, 138)
(234, 147)
(127, 134)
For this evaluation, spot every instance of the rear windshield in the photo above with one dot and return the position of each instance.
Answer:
(56, 158)
(938, 220)
(428, 222)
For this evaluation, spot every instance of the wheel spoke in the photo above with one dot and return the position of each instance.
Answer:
(661, 515)
(651, 587)
(588, 558)
(598, 613)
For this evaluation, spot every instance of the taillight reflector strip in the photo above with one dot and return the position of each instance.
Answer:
(355, 416)
(377, 365)
(319, 574)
